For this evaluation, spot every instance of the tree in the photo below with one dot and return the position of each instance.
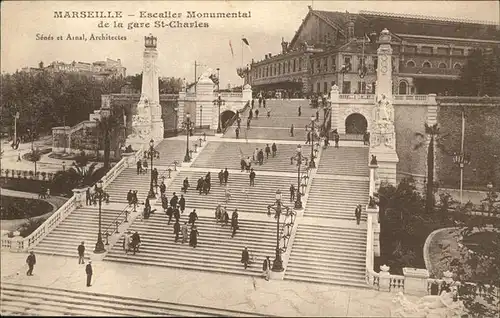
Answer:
(35, 156)
(107, 125)
(432, 132)
(481, 74)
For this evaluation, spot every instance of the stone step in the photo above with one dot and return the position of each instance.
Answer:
(35, 300)
(335, 280)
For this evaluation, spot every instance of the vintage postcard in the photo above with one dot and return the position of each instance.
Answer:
(250, 158)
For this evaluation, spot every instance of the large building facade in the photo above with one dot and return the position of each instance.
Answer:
(98, 69)
(340, 48)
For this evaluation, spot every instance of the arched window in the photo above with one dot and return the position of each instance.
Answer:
(442, 65)
(403, 88)
(457, 66)
(410, 64)
(426, 64)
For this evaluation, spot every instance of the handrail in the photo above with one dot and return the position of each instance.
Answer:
(116, 223)
(285, 237)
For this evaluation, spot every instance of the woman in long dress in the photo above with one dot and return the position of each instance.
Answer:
(193, 237)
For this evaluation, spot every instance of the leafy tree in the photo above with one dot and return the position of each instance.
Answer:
(432, 132)
(481, 74)
(35, 156)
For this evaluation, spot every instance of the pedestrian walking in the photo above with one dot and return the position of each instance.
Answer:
(184, 231)
(170, 213)
(193, 217)
(234, 222)
(177, 214)
(225, 217)
(154, 172)
(174, 200)
(245, 257)
(221, 177)
(193, 237)
(237, 131)
(291, 130)
(163, 188)
(81, 253)
(185, 185)
(139, 167)
(226, 176)
(274, 149)
(266, 268)
(252, 178)
(268, 151)
(268, 113)
(89, 272)
(31, 261)
(308, 140)
(182, 203)
(177, 230)
(292, 192)
(129, 196)
(357, 213)
(256, 113)
(300, 110)
(337, 138)
(88, 200)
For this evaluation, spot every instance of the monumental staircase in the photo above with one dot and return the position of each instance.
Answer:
(30, 300)
(216, 251)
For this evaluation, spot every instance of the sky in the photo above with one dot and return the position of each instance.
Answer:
(180, 48)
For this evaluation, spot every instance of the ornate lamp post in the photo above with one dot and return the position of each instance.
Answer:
(99, 196)
(300, 159)
(312, 165)
(461, 160)
(219, 101)
(278, 207)
(187, 125)
(201, 115)
(151, 153)
(218, 79)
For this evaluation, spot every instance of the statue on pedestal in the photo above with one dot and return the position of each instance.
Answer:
(442, 306)
(383, 128)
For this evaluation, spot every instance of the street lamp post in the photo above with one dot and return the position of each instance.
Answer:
(218, 79)
(299, 158)
(187, 125)
(312, 165)
(219, 101)
(278, 208)
(16, 117)
(97, 198)
(462, 160)
(152, 153)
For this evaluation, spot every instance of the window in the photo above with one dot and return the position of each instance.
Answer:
(325, 87)
(300, 64)
(318, 66)
(347, 60)
(442, 50)
(318, 87)
(294, 65)
(442, 65)
(289, 66)
(426, 64)
(361, 88)
(333, 65)
(325, 65)
(375, 63)
(346, 87)
(426, 50)
(410, 49)
(279, 69)
(457, 66)
(410, 64)
(403, 88)
(457, 52)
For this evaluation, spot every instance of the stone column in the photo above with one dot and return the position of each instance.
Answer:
(415, 281)
(181, 108)
(372, 188)
(334, 100)
(204, 98)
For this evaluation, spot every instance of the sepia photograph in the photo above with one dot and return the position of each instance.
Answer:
(354, 146)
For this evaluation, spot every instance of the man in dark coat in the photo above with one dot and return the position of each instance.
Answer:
(256, 113)
(163, 188)
(292, 192)
(174, 200)
(136, 241)
(337, 138)
(260, 157)
(245, 257)
(193, 217)
(221, 177)
(185, 185)
(291, 131)
(237, 131)
(274, 149)
(88, 200)
(243, 164)
(226, 176)
(252, 178)
(238, 122)
(268, 151)
(300, 111)
(199, 186)
(81, 254)
(234, 222)
(266, 267)
(357, 213)
(177, 214)
(89, 272)
(308, 140)
(177, 230)
(154, 172)
(182, 203)
(129, 196)
(206, 186)
(164, 203)
(139, 167)
(31, 261)
(170, 212)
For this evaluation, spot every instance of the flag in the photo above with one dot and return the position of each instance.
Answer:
(245, 41)
(231, 46)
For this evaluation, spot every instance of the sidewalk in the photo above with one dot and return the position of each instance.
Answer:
(282, 298)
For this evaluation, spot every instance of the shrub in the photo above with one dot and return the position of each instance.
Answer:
(25, 174)
(14, 208)
(30, 226)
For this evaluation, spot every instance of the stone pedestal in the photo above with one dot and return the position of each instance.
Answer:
(16, 243)
(385, 278)
(387, 159)
(373, 175)
(247, 93)
(334, 100)
(374, 212)
(415, 281)
(206, 109)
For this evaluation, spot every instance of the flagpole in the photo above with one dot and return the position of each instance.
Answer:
(363, 65)
(243, 78)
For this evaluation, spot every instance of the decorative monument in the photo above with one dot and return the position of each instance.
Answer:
(383, 135)
(147, 122)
